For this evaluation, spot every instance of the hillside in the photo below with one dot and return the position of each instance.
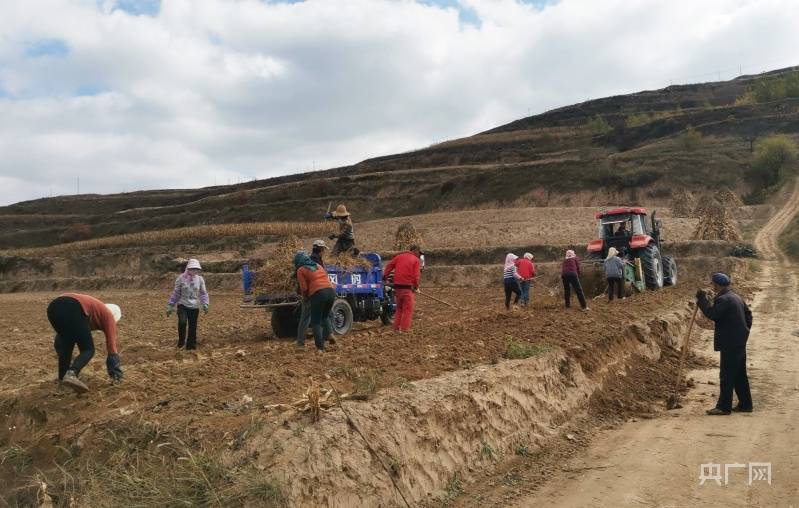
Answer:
(626, 148)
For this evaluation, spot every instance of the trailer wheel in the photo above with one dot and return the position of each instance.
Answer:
(285, 321)
(341, 314)
(653, 266)
(669, 271)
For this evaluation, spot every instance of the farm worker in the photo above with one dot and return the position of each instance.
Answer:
(733, 321)
(570, 276)
(345, 239)
(73, 317)
(318, 292)
(189, 294)
(614, 272)
(526, 270)
(407, 271)
(317, 253)
(511, 280)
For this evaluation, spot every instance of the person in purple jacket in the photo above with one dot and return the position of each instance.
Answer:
(570, 275)
(189, 295)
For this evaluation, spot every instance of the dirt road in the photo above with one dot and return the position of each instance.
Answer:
(658, 462)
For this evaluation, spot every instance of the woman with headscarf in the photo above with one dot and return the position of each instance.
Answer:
(614, 272)
(73, 317)
(189, 294)
(570, 276)
(318, 293)
(511, 279)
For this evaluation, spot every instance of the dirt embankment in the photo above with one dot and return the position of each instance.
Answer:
(451, 428)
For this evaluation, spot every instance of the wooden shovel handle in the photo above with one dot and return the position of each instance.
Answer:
(684, 352)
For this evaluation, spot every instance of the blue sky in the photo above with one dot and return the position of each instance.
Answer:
(143, 94)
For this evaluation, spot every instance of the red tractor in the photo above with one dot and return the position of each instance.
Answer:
(638, 243)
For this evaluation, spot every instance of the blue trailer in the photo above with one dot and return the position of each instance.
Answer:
(362, 296)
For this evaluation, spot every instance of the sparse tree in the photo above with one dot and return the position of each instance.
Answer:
(598, 125)
(775, 159)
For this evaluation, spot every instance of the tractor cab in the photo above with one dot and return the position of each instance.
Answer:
(621, 228)
(638, 243)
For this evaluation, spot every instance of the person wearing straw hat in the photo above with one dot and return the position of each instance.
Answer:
(73, 317)
(733, 320)
(189, 295)
(345, 239)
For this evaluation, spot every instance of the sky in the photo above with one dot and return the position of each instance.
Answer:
(105, 96)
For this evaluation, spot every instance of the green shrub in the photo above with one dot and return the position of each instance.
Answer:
(598, 125)
(637, 120)
(691, 139)
(517, 350)
(772, 88)
(775, 159)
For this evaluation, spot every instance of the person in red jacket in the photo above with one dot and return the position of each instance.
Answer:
(406, 269)
(526, 270)
(73, 317)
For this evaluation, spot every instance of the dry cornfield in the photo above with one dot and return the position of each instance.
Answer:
(168, 236)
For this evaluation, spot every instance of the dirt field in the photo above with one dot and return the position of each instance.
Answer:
(201, 394)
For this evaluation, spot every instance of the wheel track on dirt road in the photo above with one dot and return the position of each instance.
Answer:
(767, 239)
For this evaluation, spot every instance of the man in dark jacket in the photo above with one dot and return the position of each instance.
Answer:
(733, 321)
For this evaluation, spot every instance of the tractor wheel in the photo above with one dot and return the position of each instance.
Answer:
(341, 313)
(652, 264)
(285, 321)
(669, 271)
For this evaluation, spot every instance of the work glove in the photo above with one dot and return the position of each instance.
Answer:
(112, 364)
(205, 308)
(169, 310)
(331, 237)
(701, 294)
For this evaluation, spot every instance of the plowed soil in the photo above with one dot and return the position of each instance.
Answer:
(203, 392)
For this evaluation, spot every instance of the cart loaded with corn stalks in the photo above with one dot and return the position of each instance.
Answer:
(358, 281)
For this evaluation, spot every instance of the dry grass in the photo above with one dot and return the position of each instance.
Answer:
(277, 275)
(145, 466)
(406, 236)
(187, 234)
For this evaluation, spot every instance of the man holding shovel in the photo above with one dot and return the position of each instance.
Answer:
(733, 321)
(406, 269)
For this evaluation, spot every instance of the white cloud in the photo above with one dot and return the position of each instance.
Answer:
(219, 90)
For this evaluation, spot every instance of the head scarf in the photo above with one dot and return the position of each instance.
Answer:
(301, 259)
(570, 254)
(612, 252)
(510, 260)
(191, 264)
(529, 256)
(722, 279)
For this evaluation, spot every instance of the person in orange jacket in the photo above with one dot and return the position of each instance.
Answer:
(73, 317)
(406, 269)
(318, 293)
